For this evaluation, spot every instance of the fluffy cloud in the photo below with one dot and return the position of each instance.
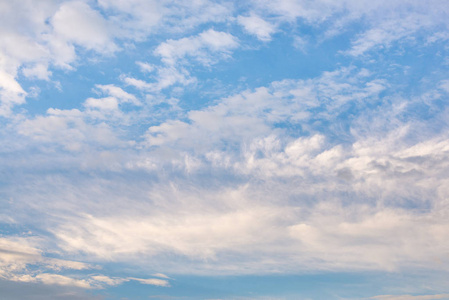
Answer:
(134, 18)
(34, 43)
(69, 128)
(252, 114)
(139, 18)
(205, 48)
(166, 76)
(49, 35)
(115, 96)
(198, 47)
(42, 38)
(11, 93)
(387, 21)
(257, 26)
(78, 23)
(237, 189)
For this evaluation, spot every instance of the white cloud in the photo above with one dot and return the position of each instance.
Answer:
(58, 264)
(216, 232)
(297, 176)
(254, 223)
(289, 10)
(200, 47)
(300, 43)
(109, 106)
(251, 114)
(160, 275)
(236, 136)
(137, 83)
(239, 194)
(386, 33)
(70, 128)
(18, 253)
(84, 282)
(108, 103)
(77, 22)
(165, 77)
(35, 45)
(444, 84)
(11, 93)
(38, 37)
(134, 18)
(39, 71)
(187, 14)
(118, 93)
(145, 67)
(137, 19)
(112, 281)
(257, 26)
(385, 234)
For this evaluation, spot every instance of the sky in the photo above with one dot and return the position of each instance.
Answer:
(258, 149)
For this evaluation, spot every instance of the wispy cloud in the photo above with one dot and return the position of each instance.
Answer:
(386, 169)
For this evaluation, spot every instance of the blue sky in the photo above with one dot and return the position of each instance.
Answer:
(283, 149)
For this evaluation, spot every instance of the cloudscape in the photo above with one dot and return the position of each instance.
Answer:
(258, 149)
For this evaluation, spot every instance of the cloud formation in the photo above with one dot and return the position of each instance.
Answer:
(371, 181)
(222, 138)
